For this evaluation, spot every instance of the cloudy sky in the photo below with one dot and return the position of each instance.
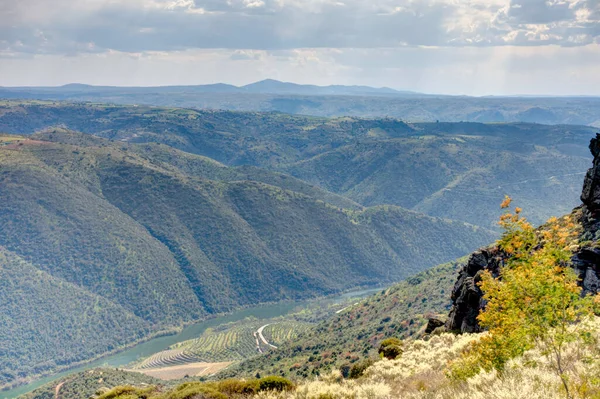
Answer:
(438, 46)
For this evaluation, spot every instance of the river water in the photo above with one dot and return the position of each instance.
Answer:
(155, 345)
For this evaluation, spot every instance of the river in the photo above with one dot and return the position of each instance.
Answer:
(155, 345)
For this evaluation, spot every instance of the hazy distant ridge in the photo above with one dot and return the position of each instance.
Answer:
(331, 101)
(267, 86)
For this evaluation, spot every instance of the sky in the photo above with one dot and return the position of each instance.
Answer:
(473, 47)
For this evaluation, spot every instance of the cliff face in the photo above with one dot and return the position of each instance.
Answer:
(587, 260)
(467, 298)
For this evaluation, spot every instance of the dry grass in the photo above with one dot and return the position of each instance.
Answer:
(421, 374)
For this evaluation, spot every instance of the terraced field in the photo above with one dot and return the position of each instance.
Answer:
(278, 333)
(225, 344)
(168, 358)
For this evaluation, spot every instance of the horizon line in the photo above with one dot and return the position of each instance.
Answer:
(366, 86)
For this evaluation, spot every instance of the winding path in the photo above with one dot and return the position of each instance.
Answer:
(260, 335)
(57, 389)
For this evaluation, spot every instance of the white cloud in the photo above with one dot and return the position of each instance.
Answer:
(412, 44)
(166, 25)
(254, 3)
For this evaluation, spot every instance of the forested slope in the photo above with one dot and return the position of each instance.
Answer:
(453, 170)
(355, 333)
(175, 214)
(47, 322)
(159, 243)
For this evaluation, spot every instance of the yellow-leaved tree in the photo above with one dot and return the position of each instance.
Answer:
(535, 302)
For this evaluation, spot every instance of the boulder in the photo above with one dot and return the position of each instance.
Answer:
(433, 324)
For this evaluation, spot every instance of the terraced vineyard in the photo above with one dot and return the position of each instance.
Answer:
(279, 333)
(168, 358)
(228, 343)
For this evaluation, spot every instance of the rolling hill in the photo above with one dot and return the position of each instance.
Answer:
(332, 101)
(452, 170)
(110, 235)
(267, 86)
(163, 216)
(152, 237)
(47, 322)
(457, 174)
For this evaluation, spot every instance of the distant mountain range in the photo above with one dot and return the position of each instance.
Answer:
(267, 86)
(331, 101)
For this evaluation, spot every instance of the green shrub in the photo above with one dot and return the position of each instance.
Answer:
(391, 341)
(536, 300)
(390, 348)
(234, 386)
(345, 370)
(127, 392)
(359, 368)
(118, 392)
(274, 383)
(196, 390)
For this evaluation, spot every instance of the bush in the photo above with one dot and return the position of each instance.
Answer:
(196, 390)
(390, 348)
(274, 383)
(358, 368)
(345, 370)
(238, 387)
(127, 392)
(118, 391)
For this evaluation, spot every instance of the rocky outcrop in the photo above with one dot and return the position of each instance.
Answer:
(433, 324)
(587, 260)
(467, 298)
(586, 263)
(590, 195)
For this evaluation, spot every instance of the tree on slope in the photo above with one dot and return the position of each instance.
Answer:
(535, 302)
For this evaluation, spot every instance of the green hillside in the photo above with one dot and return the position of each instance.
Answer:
(355, 333)
(450, 170)
(408, 106)
(48, 322)
(341, 340)
(456, 175)
(156, 240)
(171, 215)
(108, 237)
(88, 383)
(53, 220)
